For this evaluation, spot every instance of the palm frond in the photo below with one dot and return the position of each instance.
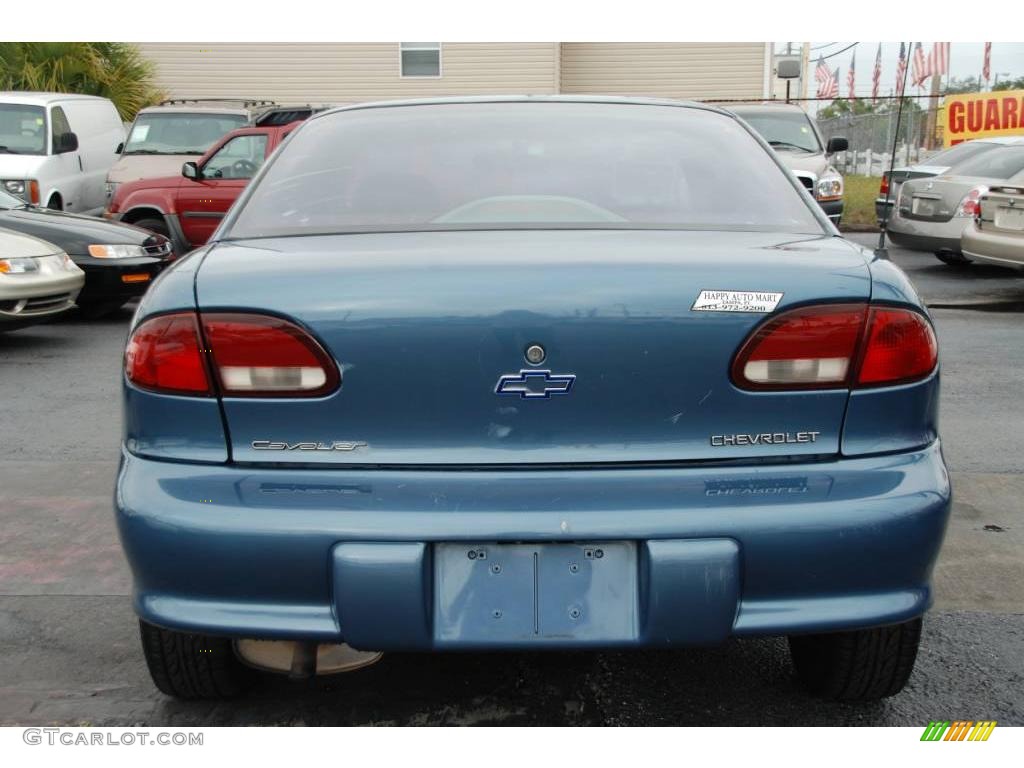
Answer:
(117, 71)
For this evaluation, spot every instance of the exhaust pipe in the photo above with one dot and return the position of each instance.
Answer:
(301, 659)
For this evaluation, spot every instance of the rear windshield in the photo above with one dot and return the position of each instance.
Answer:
(22, 130)
(522, 165)
(959, 153)
(1001, 163)
(178, 133)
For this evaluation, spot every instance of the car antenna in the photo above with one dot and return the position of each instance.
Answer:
(881, 251)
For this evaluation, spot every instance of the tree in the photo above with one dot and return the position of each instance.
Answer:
(1016, 84)
(963, 85)
(975, 84)
(116, 71)
(841, 107)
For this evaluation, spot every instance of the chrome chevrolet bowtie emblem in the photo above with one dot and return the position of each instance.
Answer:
(529, 384)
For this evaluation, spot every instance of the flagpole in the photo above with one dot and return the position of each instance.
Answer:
(881, 252)
(933, 104)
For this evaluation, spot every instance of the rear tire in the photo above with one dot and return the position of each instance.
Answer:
(154, 225)
(863, 665)
(191, 666)
(952, 259)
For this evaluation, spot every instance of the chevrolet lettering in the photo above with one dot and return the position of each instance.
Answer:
(764, 438)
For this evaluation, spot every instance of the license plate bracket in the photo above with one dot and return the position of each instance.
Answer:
(551, 592)
(923, 206)
(1009, 218)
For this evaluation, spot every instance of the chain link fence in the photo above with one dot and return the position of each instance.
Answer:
(871, 136)
(871, 139)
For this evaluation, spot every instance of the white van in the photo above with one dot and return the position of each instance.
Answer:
(56, 148)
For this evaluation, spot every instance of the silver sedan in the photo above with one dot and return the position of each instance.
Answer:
(37, 280)
(938, 164)
(997, 234)
(932, 213)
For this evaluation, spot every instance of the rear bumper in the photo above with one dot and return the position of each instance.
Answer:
(933, 236)
(883, 209)
(1004, 250)
(353, 555)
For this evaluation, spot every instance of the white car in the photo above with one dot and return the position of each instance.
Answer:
(57, 148)
(37, 280)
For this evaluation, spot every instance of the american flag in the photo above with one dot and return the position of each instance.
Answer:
(827, 80)
(876, 76)
(938, 59)
(919, 72)
(986, 68)
(821, 72)
(901, 67)
(851, 76)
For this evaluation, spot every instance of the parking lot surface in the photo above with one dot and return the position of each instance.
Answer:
(70, 646)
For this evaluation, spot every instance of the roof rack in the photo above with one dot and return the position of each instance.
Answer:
(283, 114)
(243, 102)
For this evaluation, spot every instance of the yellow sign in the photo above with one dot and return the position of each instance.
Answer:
(973, 115)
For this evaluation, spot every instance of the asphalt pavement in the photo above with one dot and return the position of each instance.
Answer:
(69, 642)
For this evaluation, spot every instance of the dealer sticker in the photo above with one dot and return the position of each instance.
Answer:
(736, 301)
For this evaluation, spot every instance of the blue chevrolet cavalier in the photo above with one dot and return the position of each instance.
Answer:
(529, 373)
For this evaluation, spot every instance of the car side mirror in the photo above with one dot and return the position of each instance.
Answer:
(66, 142)
(190, 170)
(120, 148)
(837, 144)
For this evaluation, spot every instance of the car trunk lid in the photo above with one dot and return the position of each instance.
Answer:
(1002, 209)
(935, 201)
(424, 327)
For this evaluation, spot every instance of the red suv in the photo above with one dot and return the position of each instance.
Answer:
(188, 208)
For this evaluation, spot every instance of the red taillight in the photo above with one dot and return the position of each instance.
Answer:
(836, 346)
(263, 356)
(883, 188)
(971, 205)
(250, 356)
(164, 354)
(899, 347)
(809, 348)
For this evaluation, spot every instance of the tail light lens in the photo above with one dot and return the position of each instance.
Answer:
(899, 347)
(883, 188)
(837, 346)
(970, 206)
(247, 355)
(809, 348)
(263, 356)
(164, 354)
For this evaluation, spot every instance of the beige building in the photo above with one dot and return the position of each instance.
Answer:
(342, 73)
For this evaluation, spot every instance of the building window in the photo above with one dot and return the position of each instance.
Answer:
(421, 59)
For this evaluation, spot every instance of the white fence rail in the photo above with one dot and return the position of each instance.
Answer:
(870, 163)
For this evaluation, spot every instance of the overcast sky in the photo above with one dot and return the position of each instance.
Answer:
(965, 60)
